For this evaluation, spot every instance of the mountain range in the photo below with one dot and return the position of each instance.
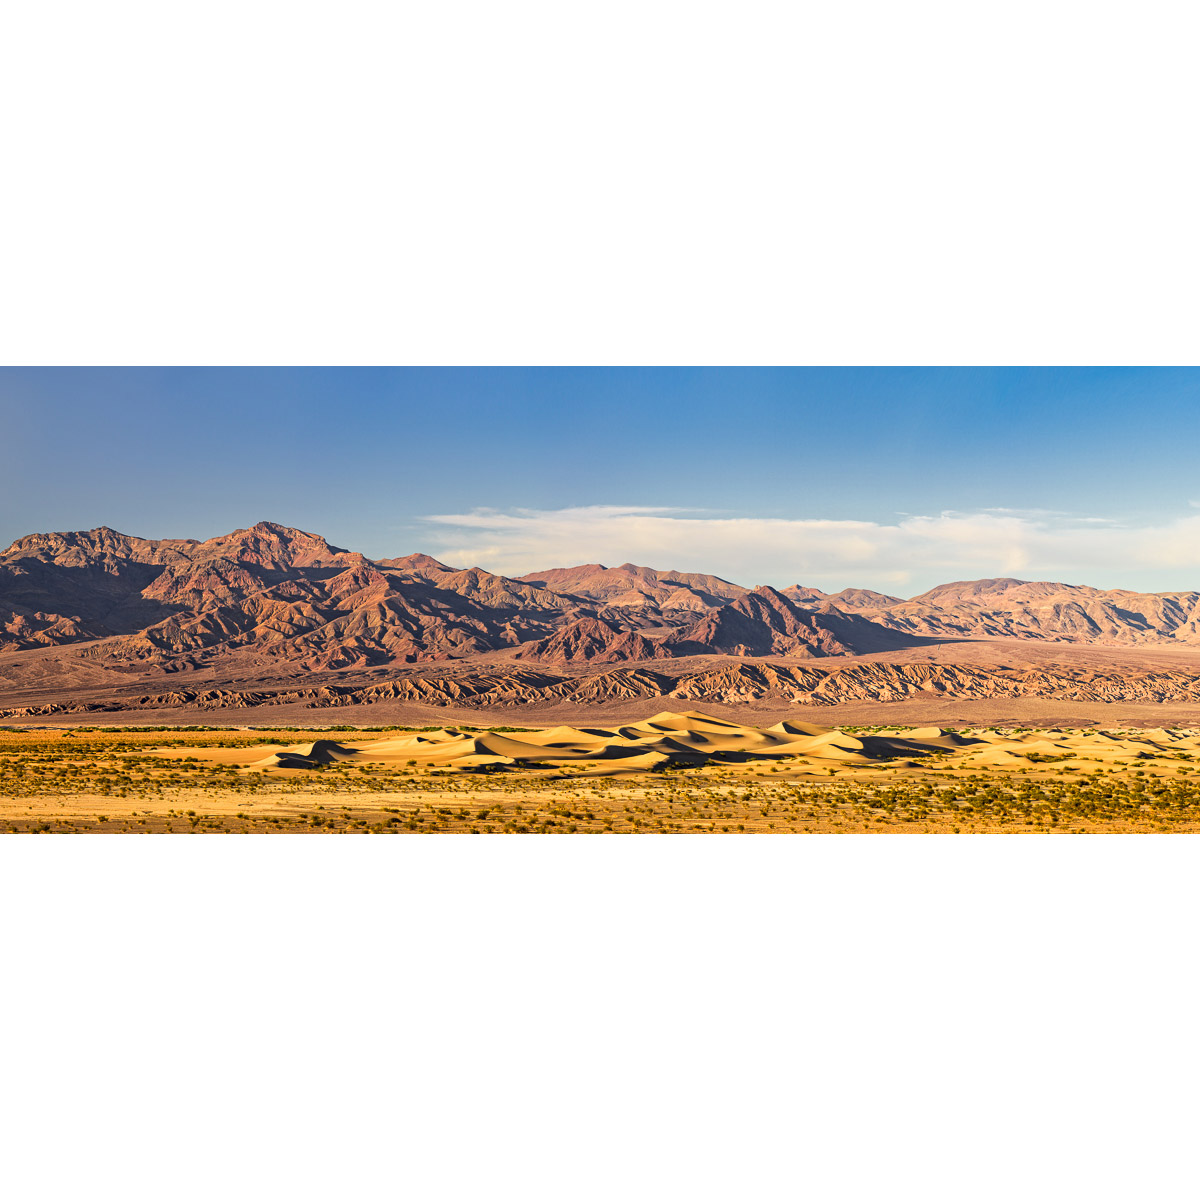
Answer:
(271, 601)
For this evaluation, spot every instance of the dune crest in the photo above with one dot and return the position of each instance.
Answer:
(693, 740)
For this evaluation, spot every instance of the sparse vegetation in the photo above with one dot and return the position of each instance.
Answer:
(108, 780)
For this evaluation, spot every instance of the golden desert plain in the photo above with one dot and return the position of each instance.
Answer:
(673, 773)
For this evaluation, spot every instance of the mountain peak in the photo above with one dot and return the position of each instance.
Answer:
(269, 544)
(273, 529)
(417, 563)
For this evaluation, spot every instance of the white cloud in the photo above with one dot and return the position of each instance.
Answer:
(917, 550)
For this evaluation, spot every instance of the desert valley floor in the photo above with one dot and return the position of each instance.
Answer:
(674, 773)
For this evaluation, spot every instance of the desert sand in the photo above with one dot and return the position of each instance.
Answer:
(676, 772)
(696, 740)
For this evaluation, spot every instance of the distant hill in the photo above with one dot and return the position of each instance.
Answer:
(630, 586)
(1057, 612)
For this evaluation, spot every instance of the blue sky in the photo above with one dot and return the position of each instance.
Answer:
(891, 478)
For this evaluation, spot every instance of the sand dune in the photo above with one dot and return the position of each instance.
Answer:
(691, 740)
(801, 728)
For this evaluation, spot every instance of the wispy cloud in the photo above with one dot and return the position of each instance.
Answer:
(916, 550)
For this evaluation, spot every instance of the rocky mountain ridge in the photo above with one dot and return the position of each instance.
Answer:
(275, 602)
(280, 594)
